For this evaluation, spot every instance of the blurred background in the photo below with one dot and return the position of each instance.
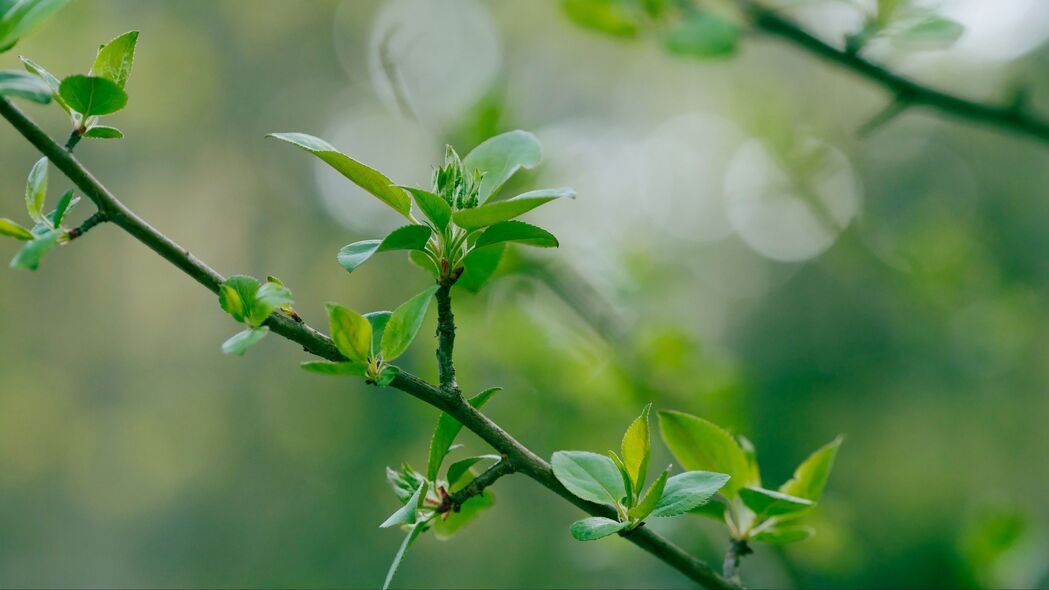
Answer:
(736, 251)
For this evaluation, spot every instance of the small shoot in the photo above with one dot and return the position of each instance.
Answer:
(47, 231)
(618, 481)
(252, 304)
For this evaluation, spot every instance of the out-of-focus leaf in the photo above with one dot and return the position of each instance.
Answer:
(36, 190)
(500, 157)
(613, 17)
(704, 35)
(22, 16)
(350, 332)
(932, 33)
(404, 324)
(685, 491)
(766, 503)
(367, 178)
(811, 476)
(242, 341)
(591, 529)
(13, 230)
(492, 213)
(519, 232)
(31, 253)
(700, 445)
(92, 96)
(480, 264)
(114, 59)
(713, 509)
(24, 85)
(413, 533)
(590, 476)
(330, 368)
(783, 535)
(445, 432)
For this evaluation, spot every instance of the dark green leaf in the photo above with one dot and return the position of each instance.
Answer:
(104, 132)
(36, 190)
(492, 213)
(766, 503)
(31, 253)
(700, 445)
(480, 264)
(590, 476)
(92, 96)
(614, 17)
(387, 375)
(25, 86)
(687, 490)
(350, 332)
(404, 324)
(499, 157)
(811, 476)
(23, 16)
(783, 535)
(436, 209)
(704, 35)
(13, 230)
(330, 368)
(446, 431)
(591, 529)
(242, 341)
(651, 498)
(517, 231)
(114, 59)
(65, 203)
(367, 178)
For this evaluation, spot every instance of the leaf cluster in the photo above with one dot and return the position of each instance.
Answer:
(47, 231)
(252, 303)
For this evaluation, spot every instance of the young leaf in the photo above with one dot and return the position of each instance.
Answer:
(237, 296)
(636, 447)
(404, 324)
(92, 96)
(22, 16)
(408, 513)
(424, 262)
(589, 476)
(31, 253)
(104, 132)
(932, 33)
(13, 230)
(367, 178)
(703, 34)
(516, 231)
(413, 533)
(712, 509)
(700, 445)
(811, 476)
(479, 266)
(114, 59)
(408, 237)
(351, 332)
(268, 299)
(36, 190)
(613, 17)
(387, 375)
(686, 491)
(652, 497)
(766, 503)
(436, 209)
(65, 203)
(591, 529)
(458, 471)
(25, 86)
(378, 320)
(330, 368)
(499, 157)
(782, 535)
(446, 431)
(492, 213)
(627, 482)
(51, 81)
(242, 341)
(752, 458)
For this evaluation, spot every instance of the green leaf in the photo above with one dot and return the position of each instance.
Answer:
(378, 320)
(704, 35)
(51, 81)
(492, 213)
(458, 472)
(408, 237)
(627, 483)
(13, 230)
(237, 296)
(92, 96)
(424, 262)
(783, 535)
(404, 324)
(651, 498)
(104, 132)
(700, 445)
(751, 453)
(446, 527)
(713, 509)
(614, 17)
(351, 332)
(446, 431)
(480, 264)
(268, 299)
(36, 190)
(367, 178)
(114, 59)
(811, 476)
(23, 16)
(31, 253)
(404, 482)
(636, 447)
(500, 157)
(387, 375)
(591, 529)
(687, 490)
(407, 514)
(65, 203)
(435, 208)
(242, 341)
(330, 368)
(932, 33)
(766, 503)
(25, 86)
(590, 476)
(413, 533)
(516, 231)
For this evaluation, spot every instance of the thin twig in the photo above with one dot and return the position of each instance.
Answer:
(96, 218)
(453, 502)
(314, 342)
(1007, 116)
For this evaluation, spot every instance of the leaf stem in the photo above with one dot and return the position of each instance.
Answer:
(453, 502)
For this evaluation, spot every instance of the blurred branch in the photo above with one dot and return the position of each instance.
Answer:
(518, 456)
(1011, 117)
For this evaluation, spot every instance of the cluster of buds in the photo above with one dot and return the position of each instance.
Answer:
(456, 185)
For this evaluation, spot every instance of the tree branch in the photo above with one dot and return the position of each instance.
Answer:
(453, 502)
(521, 458)
(1007, 117)
(445, 336)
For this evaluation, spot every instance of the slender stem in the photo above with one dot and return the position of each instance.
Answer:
(445, 337)
(519, 456)
(454, 502)
(96, 218)
(1008, 117)
(733, 555)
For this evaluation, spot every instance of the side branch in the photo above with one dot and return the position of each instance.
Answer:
(1008, 117)
(453, 502)
(519, 457)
